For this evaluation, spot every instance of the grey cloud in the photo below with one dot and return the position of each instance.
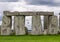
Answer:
(3, 6)
(8, 0)
(43, 2)
(36, 2)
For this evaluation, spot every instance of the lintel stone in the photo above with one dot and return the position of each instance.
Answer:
(28, 13)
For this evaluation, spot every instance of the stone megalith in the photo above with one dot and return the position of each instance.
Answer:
(46, 24)
(53, 25)
(6, 25)
(36, 25)
(59, 22)
(19, 25)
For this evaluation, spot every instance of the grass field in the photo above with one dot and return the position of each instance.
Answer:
(27, 38)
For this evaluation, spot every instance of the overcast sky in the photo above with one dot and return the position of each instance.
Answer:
(29, 5)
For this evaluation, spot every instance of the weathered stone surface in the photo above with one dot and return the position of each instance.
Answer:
(53, 25)
(46, 20)
(36, 25)
(59, 23)
(26, 30)
(6, 21)
(6, 25)
(5, 30)
(45, 32)
(28, 13)
(19, 25)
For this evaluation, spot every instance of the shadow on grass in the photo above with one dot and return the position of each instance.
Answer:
(31, 35)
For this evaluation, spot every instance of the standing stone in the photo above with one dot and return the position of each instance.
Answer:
(53, 25)
(19, 25)
(36, 25)
(6, 25)
(45, 24)
(59, 23)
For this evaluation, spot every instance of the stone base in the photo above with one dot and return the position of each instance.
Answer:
(45, 32)
(5, 31)
(53, 31)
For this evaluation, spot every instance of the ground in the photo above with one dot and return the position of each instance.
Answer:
(27, 38)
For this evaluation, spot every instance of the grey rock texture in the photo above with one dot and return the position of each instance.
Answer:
(36, 25)
(53, 25)
(46, 22)
(6, 25)
(50, 23)
(28, 13)
(19, 25)
(59, 23)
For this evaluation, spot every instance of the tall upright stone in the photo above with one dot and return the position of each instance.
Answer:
(59, 23)
(19, 25)
(46, 24)
(6, 25)
(36, 25)
(53, 25)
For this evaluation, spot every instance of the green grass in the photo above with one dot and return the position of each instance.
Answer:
(27, 38)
